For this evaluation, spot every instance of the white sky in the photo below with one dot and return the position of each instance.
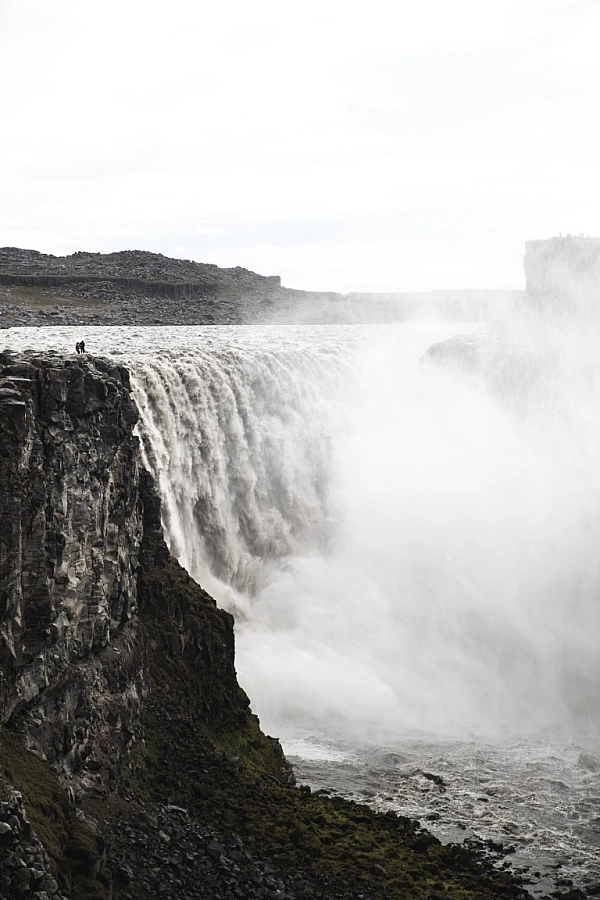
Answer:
(387, 145)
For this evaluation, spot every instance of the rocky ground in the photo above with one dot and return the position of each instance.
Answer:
(127, 288)
(134, 287)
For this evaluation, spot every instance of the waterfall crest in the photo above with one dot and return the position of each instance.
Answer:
(239, 442)
(402, 546)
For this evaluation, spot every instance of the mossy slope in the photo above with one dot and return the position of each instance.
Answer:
(76, 853)
(204, 750)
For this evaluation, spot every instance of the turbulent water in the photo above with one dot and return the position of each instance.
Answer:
(411, 554)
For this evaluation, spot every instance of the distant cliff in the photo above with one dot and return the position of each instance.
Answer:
(134, 287)
(123, 288)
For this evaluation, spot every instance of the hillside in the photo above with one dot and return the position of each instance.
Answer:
(134, 287)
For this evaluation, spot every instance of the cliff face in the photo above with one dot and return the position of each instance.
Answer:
(69, 538)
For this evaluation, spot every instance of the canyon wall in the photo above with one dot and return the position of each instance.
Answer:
(70, 533)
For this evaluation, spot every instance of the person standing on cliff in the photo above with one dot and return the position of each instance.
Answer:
(82, 346)
(78, 348)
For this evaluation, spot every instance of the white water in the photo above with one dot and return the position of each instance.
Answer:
(407, 550)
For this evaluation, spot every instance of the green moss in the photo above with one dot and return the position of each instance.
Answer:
(203, 749)
(83, 853)
(4, 789)
(74, 849)
(248, 746)
(45, 800)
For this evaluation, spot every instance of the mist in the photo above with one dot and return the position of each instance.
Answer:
(460, 593)
(404, 523)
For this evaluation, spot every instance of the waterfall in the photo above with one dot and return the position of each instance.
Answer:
(239, 441)
(402, 548)
(407, 545)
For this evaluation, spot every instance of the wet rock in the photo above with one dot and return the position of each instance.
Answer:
(436, 779)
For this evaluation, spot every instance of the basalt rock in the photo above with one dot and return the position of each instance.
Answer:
(26, 869)
(69, 540)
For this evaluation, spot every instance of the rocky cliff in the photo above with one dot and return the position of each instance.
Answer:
(123, 289)
(71, 521)
(72, 672)
(131, 765)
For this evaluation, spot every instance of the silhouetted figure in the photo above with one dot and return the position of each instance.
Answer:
(82, 346)
(78, 348)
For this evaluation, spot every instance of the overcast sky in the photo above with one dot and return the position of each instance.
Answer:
(384, 145)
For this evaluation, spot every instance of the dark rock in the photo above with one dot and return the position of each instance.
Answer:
(215, 850)
(436, 779)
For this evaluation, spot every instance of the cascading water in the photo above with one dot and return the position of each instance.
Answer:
(239, 440)
(399, 547)
(410, 551)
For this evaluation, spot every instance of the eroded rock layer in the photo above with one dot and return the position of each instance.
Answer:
(70, 533)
